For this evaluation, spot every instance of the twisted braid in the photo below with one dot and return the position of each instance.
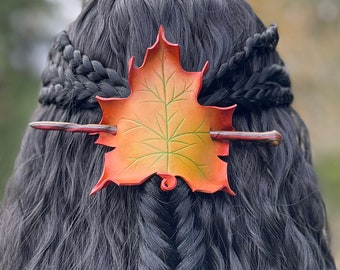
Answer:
(72, 79)
(156, 250)
(265, 88)
(190, 237)
(268, 39)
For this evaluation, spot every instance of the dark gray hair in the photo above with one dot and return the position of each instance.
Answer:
(277, 220)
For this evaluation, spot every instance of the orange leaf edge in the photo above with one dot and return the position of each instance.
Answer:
(169, 181)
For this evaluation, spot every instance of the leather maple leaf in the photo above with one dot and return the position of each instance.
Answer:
(162, 129)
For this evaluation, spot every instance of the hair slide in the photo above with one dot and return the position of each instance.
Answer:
(160, 128)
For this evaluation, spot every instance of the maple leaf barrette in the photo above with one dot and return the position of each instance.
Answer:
(160, 128)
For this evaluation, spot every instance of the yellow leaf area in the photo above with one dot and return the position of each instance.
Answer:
(162, 129)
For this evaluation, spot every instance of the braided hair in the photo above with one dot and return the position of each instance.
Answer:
(72, 79)
(277, 220)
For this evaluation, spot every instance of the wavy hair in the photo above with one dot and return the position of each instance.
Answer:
(277, 220)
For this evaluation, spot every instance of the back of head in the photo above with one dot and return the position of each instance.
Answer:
(276, 220)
